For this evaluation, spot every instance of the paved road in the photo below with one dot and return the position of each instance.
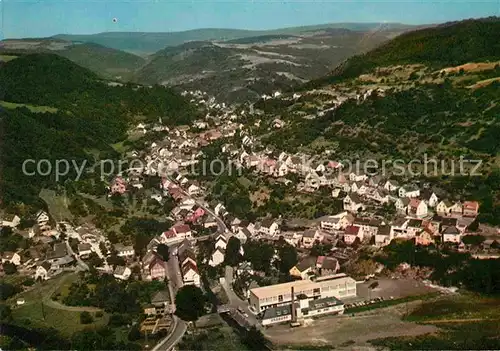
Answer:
(234, 300)
(174, 284)
(81, 264)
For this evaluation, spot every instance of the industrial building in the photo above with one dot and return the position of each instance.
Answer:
(339, 286)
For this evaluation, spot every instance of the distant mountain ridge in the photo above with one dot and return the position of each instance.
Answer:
(150, 42)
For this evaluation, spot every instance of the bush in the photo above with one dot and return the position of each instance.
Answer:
(86, 318)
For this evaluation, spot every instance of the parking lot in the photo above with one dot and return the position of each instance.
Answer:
(386, 288)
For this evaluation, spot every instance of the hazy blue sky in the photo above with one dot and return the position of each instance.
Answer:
(38, 18)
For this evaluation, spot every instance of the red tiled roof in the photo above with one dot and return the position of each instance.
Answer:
(471, 205)
(169, 234)
(352, 230)
(182, 228)
(414, 202)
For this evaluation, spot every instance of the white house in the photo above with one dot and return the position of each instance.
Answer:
(122, 273)
(193, 190)
(353, 203)
(417, 207)
(402, 204)
(451, 234)
(12, 257)
(337, 222)
(444, 207)
(12, 221)
(430, 198)
(190, 274)
(217, 257)
(221, 242)
(310, 236)
(269, 227)
(42, 271)
(409, 191)
(124, 251)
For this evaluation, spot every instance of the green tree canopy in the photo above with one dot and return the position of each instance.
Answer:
(190, 303)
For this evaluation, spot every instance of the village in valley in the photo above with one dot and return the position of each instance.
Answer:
(272, 268)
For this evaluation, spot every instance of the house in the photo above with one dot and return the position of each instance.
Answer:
(269, 227)
(357, 176)
(336, 192)
(398, 228)
(122, 273)
(443, 208)
(124, 251)
(11, 257)
(327, 265)
(470, 208)
(193, 189)
(359, 188)
(413, 227)
(310, 236)
(221, 242)
(244, 268)
(409, 191)
(451, 234)
(190, 274)
(41, 218)
(217, 257)
(424, 238)
(84, 249)
(11, 221)
(118, 186)
(457, 209)
(242, 235)
(353, 203)
(367, 226)
(293, 238)
(187, 255)
(182, 231)
(402, 205)
(336, 222)
(383, 236)
(380, 195)
(417, 207)
(161, 302)
(42, 271)
(157, 269)
(351, 233)
(391, 185)
(304, 268)
(430, 197)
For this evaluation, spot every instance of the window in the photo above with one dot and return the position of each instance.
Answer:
(280, 298)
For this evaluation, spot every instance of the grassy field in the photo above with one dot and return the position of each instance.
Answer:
(7, 58)
(67, 322)
(40, 311)
(32, 108)
(58, 205)
(466, 321)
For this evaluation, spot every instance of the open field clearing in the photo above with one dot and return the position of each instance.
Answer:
(32, 108)
(339, 331)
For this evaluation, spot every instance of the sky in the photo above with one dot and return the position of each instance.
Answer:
(42, 18)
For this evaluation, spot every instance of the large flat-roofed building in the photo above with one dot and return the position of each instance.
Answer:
(340, 286)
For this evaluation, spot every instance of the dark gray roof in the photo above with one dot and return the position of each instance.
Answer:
(161, 297)
(451, 230)
(324, 302)
(279, 311)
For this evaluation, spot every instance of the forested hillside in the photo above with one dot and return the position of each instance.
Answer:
(87, 115)
(450, 44)
(434, 93)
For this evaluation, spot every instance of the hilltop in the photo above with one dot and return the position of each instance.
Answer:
(244, 69)
(105, 61)
(146, 43)
(64, 111)
(448, 44)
